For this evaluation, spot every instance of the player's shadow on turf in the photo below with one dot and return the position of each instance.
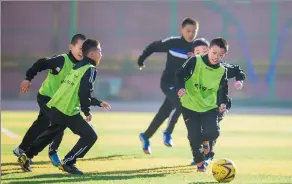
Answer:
(108, 175)
(208, 182)
(34, 163)
(14, 172)
(10, 169)
(84, 178)
(110, 157)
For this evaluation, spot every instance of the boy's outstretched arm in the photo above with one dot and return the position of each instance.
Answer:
(234, 71)
(40, 65)
(156, 46)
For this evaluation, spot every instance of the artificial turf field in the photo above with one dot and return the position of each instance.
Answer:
(260, 146)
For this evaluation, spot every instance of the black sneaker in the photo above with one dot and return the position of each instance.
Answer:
(72, 169)
(24, 163)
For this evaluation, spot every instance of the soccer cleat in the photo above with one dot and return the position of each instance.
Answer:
(167, 139)
(72, 169)
(145, 144)
(24, 163)
(54, 157)
(201, 167)
(209, 157)
(206, 147)
(18, 151)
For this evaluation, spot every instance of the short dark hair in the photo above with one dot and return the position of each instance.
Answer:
(77, 37)
(89, 45)
(200, 42)
(190, 21)
(220, 42)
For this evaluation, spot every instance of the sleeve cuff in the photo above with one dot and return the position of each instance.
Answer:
(99, 103)
(140, 62)
(96, 102)
(28, 78)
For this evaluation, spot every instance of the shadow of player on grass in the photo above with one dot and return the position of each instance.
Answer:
(107, 175)
(13, 167)
(110, 157)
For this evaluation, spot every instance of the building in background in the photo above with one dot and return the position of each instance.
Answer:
(260, 42)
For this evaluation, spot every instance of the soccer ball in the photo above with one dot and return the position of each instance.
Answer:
(223, 170)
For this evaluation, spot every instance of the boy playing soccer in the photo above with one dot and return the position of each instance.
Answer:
(203, 86)
(74, 94)
(59, 67)
(177, 49)
(201, 47)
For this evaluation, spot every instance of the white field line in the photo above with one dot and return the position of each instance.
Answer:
(9, 133)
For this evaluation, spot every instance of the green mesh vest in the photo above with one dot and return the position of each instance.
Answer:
(53, 82)
(66, 98)
(202, 87)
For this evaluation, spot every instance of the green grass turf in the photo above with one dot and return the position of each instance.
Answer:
(260, 146)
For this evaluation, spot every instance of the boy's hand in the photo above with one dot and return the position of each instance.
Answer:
(140, 63)
(105, 105)
(88, 118)
(191, 54)
(222, 108)
(238, 85)
(141, 67)
(181, 92)
(25, 85)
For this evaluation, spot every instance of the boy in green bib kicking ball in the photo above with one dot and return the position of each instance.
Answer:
(200, 82)
(201, 47)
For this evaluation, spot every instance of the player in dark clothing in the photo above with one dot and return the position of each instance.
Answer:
(73, 95)
(177, 49)
(201, 47)
(58, 66)
(203, 87)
